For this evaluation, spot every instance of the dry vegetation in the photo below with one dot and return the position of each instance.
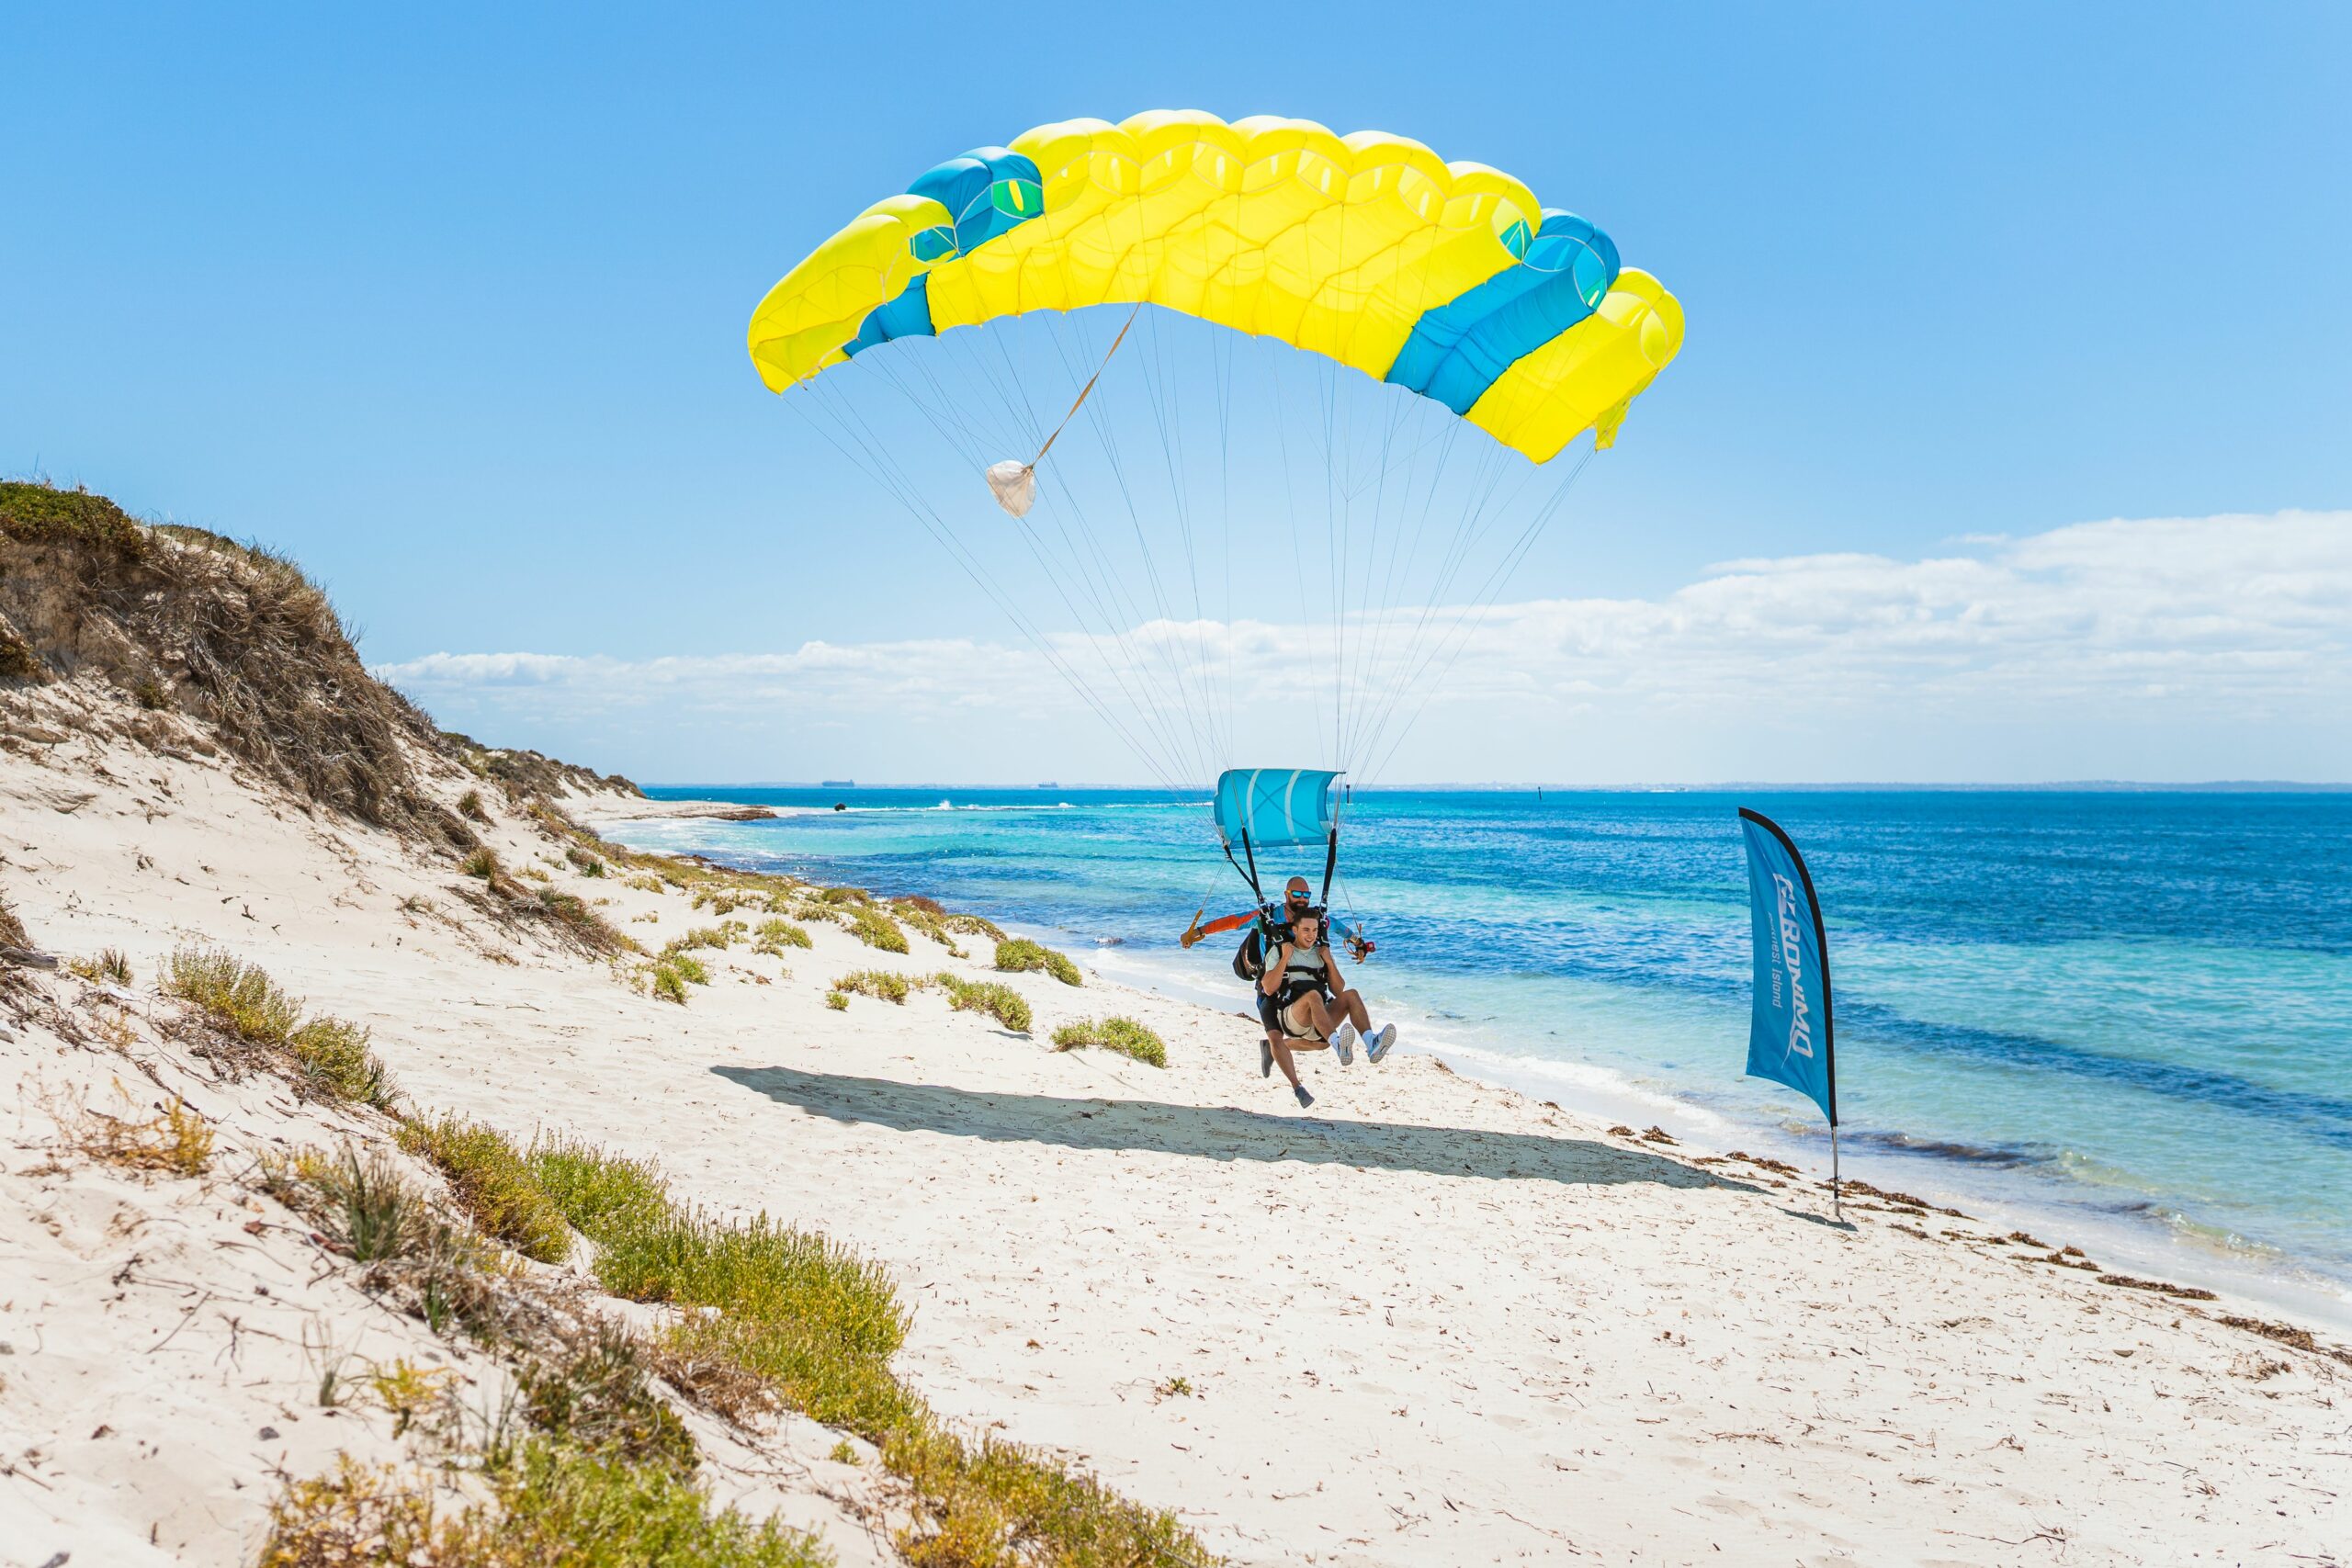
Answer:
(186, 622)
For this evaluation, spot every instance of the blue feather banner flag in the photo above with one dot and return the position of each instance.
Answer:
(1788, 1034)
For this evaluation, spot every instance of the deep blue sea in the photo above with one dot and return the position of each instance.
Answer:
(2127, 1015)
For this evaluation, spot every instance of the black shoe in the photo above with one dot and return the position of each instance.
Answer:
(1265, 1060)
(1304, 1098)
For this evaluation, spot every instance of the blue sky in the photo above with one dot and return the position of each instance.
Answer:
(449, 304)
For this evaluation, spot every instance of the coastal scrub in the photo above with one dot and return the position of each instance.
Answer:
(1019, 954)
(1123, 1035)
(819, 1323)
(244, 1003)
(493, 1184)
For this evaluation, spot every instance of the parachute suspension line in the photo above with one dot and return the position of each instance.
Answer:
(1187, 682)
(1290, 496)
(1335, 542)
(1414, 655)
(1488, 468)
(875, 463)
(1496, 582)
(1169, 415)
(1146, 626)
(1424, 646)
(1384, 600)
(1373, 641)
(1360, 673)
(1221, 363)
(893, 478)
(1148, 712)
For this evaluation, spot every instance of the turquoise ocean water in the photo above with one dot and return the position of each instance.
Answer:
(2125, 1015)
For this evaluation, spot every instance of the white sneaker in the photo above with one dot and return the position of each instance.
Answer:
(1343, 1043)
(1376, 1046)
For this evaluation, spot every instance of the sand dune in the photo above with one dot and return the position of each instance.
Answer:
(1430, 1322)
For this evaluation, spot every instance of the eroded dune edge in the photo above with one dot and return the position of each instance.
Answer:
(393, 1166)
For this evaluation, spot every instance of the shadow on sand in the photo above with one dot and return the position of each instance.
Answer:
(1215, 1132)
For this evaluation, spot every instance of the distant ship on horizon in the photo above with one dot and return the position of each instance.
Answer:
(836, 783)
(1050, 784)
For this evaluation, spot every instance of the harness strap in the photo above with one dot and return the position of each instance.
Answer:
(1330, 865)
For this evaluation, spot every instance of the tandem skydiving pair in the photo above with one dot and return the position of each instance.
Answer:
(1302, 1000)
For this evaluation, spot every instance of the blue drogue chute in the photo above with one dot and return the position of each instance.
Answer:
(1267, 809)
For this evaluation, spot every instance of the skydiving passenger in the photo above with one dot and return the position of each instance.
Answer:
(1306, 1004)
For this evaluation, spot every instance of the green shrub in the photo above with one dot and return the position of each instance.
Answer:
(925, 916)
(493, 1184)
(1000, 1002)
(972, 925)
(776, 935)
(1019, 954)
(665, 984)
(481, 863)
(236, 997)
(721, 936)
(553, 1503)
(820, 1323)
(847, 896)
(837, 1001)
(583, 861)
(1123, 1035)
(469, 804)
(883, 985)
(874, 929)
(334, 1054)
(243, 1001)
(599, 1193)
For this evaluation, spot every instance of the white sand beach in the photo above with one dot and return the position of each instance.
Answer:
(1430, 1322)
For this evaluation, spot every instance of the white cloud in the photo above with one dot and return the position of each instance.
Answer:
(2202, 627)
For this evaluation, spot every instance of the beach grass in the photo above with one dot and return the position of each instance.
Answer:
(552, 1503)
(493, 1184)
(1019, 956)
(997, 1000)
(107, 965)
(1123, 1035)
(819, 1323)
(874, 929)
(883, 985)
(242, 1002)
(774, 934)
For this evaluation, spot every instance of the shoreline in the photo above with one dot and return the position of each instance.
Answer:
(2033, 1197)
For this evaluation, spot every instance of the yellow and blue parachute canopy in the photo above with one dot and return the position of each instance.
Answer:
(1447, 279)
